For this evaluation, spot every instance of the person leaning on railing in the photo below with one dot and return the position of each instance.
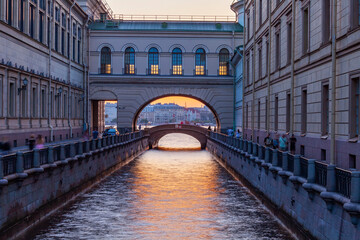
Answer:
(5, 146)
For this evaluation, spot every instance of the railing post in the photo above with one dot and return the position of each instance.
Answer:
(36, 158)
(355, 187)
(80, 148)
(93, 143)
(19, 162)
(62, 153)
(297, 167)
(275, 157)
(72, 150)
(50, 155)
(267, 154)
(99, 143)
(260, 152)
(87, 146)
(249, 150)
(331, 179)
(255, 149)
(285, 163)
(241, 144)
(311, 171)
(1, 169)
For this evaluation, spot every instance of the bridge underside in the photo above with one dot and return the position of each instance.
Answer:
(156, 133)
(133, 94)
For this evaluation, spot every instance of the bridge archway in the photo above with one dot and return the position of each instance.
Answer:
(141, 108)
(156, 133)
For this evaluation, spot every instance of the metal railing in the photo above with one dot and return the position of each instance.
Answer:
(320, 173)
(343, 182)
(9, 164)
(343, 177)
(174, 18)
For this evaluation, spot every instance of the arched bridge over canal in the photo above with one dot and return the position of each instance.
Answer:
(156, 133)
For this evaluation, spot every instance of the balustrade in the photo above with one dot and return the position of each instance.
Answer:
(18, 162)
(296, 164)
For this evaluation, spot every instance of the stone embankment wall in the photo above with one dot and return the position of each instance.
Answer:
(309, 210)
(27, 197)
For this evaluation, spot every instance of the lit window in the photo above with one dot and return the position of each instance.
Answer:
(153, 61)
(224, 62)
(130, 61)
(177, 62)
(200, 62)
(105, 61)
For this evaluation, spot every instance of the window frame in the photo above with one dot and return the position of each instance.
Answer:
(105, 60)
(224, 57)
(129, 61)
(200, 62)
(153, 61)
(176, 62)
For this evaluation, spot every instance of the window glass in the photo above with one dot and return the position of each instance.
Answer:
(105, 60)
(130, 61)
(200, 62)
(177, 62)
(224, 62)
(153, 61)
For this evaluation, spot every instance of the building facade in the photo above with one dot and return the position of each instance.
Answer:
(295, 74)
(135, 62)
(43, 69)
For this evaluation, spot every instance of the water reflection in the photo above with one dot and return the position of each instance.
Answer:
(166, 195)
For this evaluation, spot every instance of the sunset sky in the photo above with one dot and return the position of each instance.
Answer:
(172, 7)
(181, 101)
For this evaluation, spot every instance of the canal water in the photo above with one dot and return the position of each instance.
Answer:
(166, 194)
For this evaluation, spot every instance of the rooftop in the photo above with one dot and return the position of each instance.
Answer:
(191, 24)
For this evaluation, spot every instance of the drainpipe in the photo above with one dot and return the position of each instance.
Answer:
(234, 67)
(244, 75)
(253, 72)
(71, 50)
(268, 72)
(333, 87)
(86, 73)
(292, 115)
(49, 90)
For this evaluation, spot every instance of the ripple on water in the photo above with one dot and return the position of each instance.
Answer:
(166, 195)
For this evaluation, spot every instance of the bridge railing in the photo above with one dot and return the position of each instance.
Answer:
(18, 162)
(312, 171)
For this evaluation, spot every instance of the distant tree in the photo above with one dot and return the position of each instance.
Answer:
(114, 120)
(144, 120)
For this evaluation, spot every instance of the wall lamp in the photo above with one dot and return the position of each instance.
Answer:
(59, 92)
(25, 82)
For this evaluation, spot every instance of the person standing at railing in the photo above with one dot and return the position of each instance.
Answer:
(32, 142)
(283, 143)
(268, 141)
(5, 146)
(95, 133)
(292, 141)
(39, 142)
(275, 143)
(238, 134)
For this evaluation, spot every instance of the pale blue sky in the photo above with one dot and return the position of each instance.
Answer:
(171, 7)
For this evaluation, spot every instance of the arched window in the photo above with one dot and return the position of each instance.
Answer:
(105, 67)
(177, 62)
(200, 62)
(153, 68)
(129, 60)
(224, 62)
